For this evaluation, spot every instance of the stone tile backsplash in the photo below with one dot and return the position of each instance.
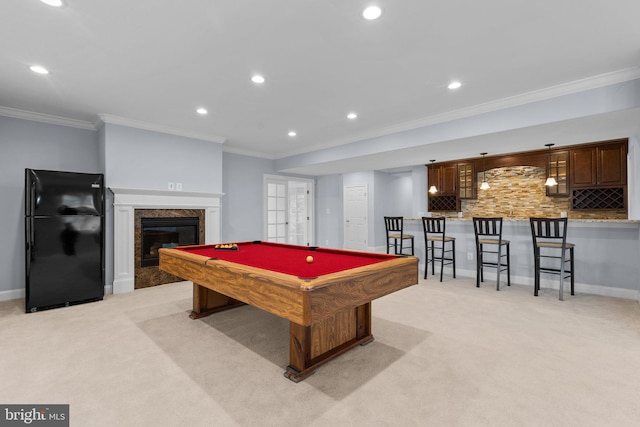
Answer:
(518, 192)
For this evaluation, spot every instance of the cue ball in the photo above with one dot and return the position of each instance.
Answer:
(309, 259)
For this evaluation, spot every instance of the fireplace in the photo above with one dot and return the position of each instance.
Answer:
(166, 233)
(162, 228)
(130, 205)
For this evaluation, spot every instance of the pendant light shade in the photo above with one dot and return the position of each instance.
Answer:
(433, 189)
(551, 181)
(485, 184)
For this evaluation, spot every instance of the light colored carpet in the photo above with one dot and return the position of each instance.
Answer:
(445, 354)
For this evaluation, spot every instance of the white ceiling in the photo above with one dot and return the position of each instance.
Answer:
(151, 63)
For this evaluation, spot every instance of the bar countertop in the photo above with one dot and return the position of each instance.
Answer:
(571, 220)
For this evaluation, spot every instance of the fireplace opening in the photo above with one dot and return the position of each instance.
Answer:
(166, 233)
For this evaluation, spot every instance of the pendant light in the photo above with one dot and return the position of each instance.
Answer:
(551, 181)
(433, 189)
(485, 184)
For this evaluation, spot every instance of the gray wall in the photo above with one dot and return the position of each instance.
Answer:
(242, 204)
(28, 144)
(329, 211)
(136, 158)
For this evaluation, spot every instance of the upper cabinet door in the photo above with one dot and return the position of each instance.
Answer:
(612, 165)
(466, 181)
(449, 178)
(583, 167)
(444, 177)
(558, 168)
(599, 166)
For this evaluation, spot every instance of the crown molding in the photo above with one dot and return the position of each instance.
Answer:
(46, 118)
(250, 153)
(138, 124)
(569, 88)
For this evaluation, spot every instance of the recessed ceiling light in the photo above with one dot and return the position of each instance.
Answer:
(454, 85)
(202, 111)
(257, 78)
(352, 116)
(372, 12)
(39, 69)
(54, 3)
(292, 133)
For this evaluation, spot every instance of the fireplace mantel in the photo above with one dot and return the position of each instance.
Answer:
(126, 200)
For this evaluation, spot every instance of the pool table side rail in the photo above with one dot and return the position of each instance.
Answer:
(274, 292)
(351, 288)
(303, 301)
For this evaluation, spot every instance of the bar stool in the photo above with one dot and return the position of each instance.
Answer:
(394, 226)
(550, 235)
(434, 231)
(488, 232)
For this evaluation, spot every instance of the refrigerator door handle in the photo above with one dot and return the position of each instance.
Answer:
(29, 241)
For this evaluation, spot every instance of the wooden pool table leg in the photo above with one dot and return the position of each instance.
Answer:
(206, 302)
(312, 346)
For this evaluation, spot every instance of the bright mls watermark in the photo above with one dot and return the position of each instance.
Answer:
(34, 415)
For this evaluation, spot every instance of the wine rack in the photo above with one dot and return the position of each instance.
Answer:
(443, 203)
(598, 198)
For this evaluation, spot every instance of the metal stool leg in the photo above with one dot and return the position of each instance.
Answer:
(572, 271)
(453, 255)
(433, 258)
(536, 271)
(478, 265)
(508, 265)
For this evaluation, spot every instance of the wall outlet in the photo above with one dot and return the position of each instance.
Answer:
(178, 186)
(171, 186)
(470, 256)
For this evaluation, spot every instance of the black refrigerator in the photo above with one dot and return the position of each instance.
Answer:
(64, 225)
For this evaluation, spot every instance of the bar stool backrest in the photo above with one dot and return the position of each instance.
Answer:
(488, 227)
(393, 223)
(434, 225)
(549, 230)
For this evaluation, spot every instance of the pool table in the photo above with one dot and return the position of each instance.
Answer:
(327, 299)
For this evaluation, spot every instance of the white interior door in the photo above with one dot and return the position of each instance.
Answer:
(298, 212)
(356, 209)
(289, 210)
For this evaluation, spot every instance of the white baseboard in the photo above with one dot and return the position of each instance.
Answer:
(11, 294)
(606, 291)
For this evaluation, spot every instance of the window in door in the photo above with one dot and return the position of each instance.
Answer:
(289, 210)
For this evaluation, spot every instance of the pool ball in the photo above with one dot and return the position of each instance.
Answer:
(309, 259)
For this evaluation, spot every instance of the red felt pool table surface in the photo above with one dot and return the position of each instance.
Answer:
(290, 259)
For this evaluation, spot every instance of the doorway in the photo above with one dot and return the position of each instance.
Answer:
(289, 210)
(356, 210)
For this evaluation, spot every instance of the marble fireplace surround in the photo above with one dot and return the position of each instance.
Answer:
(127, 200)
